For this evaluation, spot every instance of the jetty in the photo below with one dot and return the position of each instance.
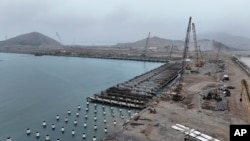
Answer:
(140, 90)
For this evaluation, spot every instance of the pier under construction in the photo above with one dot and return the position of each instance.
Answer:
(139, 91)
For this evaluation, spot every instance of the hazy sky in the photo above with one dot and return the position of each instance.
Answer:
(111, 21)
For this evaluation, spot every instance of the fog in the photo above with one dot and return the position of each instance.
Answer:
(111, 21)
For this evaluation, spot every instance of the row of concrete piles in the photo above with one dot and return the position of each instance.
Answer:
(137, 92)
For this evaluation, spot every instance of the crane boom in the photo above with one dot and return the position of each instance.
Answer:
(186, 47)
(195, 43)
(59, 37)
(146, 46)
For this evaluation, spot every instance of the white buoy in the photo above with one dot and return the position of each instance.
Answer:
(94, 138)
(95, 105)
(105, 121)
(77, 114)
(66, 120)
(114, 122)
(95, 118)
(113, 114)
(62, 129)
(83, 136)
(104, 113)
(105, 130)
(111, 108)
(53, 126)
(120, 110)
(57, 139)
(95, 127)
(75, 122)
(37, 135)
(86, 116)
(47, 138)
(69, 112)
(79, 107)
(122, 116)
(95, 111)
(73, 132)
(129, 111)
(103, 107)
(85, 125)
(44, 124)
(9, 139)
(57, 117)
(28, 131)
(87, 109)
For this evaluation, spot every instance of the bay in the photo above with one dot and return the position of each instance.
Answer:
(34, 89)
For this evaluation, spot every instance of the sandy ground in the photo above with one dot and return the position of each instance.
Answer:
(189, 112)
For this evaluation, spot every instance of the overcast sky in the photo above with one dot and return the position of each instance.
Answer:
(112, 21)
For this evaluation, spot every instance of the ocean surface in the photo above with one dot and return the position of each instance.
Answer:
(35, 89)
(245, 60)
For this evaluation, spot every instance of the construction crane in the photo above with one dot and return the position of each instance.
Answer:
(170, 52)
(177, 96)
(198, 62)
(146, 46)
(58, 36)
(245, 96)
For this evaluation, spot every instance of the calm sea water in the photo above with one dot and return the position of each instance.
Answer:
(34, 89)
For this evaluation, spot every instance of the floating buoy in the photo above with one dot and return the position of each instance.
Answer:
(95, 105)
(57, 139)
(79, 107)
(86, 116)
(9, 139)
(87, 103)
(73, 132)
(62, 130)
(87, 109)
(57, 117)
(120, 110)
(111, 108)
(44, 124)
(53, 126)
(47, 138)
(28, 131)
(95, 127)
(114, 122)
(69, 112)
(95, 111)
(95, 118)
(83, 136)
(75, 122)
(105, 121)
(77, 114)
(103, 107)
(129, 111)
(66, 120)
(37, 135)
(105, 130)
(104, 113)
(113, 114)
(122, 116)
(94, 138)
(85, 125)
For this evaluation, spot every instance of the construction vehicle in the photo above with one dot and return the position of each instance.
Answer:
(146, 46)
(178, 96)
(198, 62)
(245, 97)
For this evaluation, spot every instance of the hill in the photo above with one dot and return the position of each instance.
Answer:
(30, 39)
(165, 44)
(238, 42)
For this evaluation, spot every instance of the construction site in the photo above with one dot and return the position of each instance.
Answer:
(210, 94)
